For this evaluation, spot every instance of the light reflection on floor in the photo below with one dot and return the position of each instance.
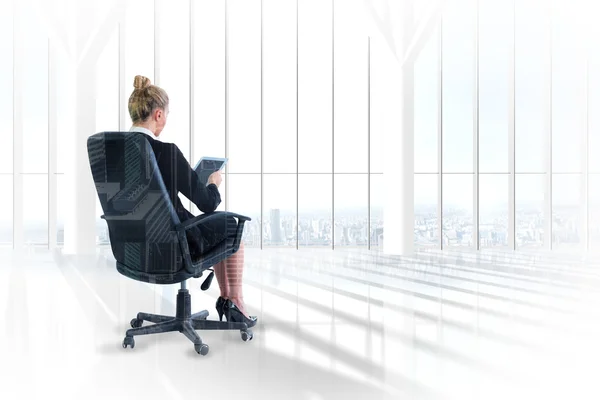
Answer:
(332, 324)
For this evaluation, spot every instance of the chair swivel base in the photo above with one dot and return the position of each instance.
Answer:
(184, 322)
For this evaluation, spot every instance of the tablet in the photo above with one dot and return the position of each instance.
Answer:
(210, 164)
(207, 165)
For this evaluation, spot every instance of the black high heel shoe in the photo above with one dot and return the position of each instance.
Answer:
(233, 314)
(220, 305)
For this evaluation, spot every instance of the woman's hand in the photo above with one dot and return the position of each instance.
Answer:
(215, 178)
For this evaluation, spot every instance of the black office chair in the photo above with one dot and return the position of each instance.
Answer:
(147, 239)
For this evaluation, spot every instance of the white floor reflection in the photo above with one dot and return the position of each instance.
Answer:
(347, 324)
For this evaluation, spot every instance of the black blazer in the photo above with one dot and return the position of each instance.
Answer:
(179, 176)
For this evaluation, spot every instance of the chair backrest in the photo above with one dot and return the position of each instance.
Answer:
(140, 215)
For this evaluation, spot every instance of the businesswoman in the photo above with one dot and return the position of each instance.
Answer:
(149, 109)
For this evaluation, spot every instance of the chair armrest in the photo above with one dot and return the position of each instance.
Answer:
(113, 217)
(200, 219)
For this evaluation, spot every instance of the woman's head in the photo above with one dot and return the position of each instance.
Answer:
(148, 105)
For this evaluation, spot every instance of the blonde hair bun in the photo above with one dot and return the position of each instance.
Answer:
(141, 82)
(146, 98)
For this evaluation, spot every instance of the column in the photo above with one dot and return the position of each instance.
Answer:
(80, 229)
(398, 125)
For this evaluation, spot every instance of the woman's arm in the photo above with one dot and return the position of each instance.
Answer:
(206, 198)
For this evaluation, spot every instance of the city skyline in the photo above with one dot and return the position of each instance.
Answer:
(351, 229)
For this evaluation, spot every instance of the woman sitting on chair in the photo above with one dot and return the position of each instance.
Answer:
(149, 108)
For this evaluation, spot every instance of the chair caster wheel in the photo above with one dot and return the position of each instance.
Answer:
(136, 323)
(246, 335)
(201, 349)
(128, 341)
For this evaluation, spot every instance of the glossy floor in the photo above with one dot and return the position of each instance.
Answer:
(344, 324)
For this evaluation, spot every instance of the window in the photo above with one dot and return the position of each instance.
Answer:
(35, 209)
(351, 96)
(34, 98)
(244, 88)
(298, 150)
(531, 63)
(426, 117)
(314, 81)
(458, 63)
(209, 79)
(244, 199)
(495, 31)
(351, 212)
(139, 48)
(377, 201)
(279, 210)
(426, 211)
(568, 90)
(426, 120)
(279, 99)
(65, 104)
(314, 210)
(457, 212)
(458, 60)
(174, 75)
(107, 86)
(568, 126)
(493, 210)
(566, 211)
(529, 210)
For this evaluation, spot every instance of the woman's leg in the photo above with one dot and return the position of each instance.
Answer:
(212, 234)
(221, 273)
(235, 271)
(229, 275)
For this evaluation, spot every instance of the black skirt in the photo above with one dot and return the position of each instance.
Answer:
(205, 236)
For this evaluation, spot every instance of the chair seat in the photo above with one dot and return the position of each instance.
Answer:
(159, 279)
(222, 250)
